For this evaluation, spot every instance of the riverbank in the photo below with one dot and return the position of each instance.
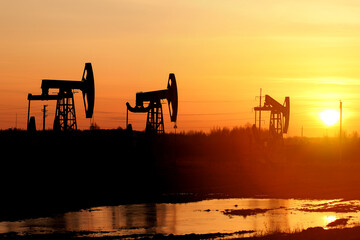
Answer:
(47, 172)
(312, 233)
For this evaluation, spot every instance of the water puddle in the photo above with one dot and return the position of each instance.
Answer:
(226, 216)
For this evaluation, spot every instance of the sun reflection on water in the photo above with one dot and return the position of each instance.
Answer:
(263, 216)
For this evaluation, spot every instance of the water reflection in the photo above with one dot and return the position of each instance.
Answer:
(281, 222)
(262, 215)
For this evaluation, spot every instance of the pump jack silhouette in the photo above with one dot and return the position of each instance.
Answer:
(155, 122)
(279, 116)
(65, 117)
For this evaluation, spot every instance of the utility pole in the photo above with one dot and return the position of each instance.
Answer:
(44, 116)
(340, 135)
(260, 111)
(340, 120)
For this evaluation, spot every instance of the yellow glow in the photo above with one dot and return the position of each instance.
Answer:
(330, 117)
(328, 220)
(221, 52)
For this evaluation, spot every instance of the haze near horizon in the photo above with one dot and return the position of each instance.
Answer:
(222, 53)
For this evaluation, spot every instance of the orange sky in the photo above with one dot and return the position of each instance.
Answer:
(222, 53)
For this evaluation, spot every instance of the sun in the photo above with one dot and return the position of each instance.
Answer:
(330, 117)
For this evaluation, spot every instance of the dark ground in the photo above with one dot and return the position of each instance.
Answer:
(44, 173)
(309, 234)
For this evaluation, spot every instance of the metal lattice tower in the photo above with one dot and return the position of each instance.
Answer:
(276, 126)
(155, 122)
(65, 113)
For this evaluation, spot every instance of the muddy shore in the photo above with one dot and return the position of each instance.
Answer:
(311, 233)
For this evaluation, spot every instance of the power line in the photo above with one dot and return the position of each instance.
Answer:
(210, 114)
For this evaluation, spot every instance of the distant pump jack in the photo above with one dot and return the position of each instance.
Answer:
(279, 116)
(65, 117)
(155, 122)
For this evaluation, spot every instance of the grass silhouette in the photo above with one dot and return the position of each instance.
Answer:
(112, 166)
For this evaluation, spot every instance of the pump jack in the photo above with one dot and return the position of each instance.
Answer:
(155, 122)
(65, 117)
(279, 116)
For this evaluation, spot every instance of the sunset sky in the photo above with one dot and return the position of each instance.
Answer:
(221, 51)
